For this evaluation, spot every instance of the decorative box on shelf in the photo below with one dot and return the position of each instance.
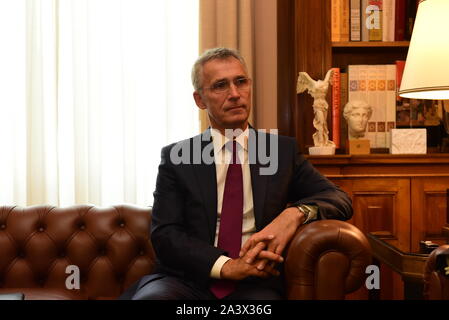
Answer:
(408, 141)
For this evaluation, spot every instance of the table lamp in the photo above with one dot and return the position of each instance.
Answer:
(426, 73)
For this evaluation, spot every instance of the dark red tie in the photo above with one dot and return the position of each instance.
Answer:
(230, 233)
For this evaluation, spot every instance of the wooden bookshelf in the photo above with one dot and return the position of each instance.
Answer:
(388, 191)
(304, 44)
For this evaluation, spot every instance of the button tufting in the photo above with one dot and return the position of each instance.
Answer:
(122, 225)
(142, 252)
(41, 229)
(82, 227)
(3, 226)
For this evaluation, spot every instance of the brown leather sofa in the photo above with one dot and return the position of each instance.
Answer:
(111, 248)
(436, 284)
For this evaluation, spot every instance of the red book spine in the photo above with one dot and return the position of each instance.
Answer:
(399, 32)
(400, 65)
(336, 106)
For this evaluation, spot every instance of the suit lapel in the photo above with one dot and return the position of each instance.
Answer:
(258, 182)
(207, 179)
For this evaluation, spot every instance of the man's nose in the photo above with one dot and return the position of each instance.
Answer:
(234, 93)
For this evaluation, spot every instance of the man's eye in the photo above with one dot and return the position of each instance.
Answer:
(240, 82)
(221, 85)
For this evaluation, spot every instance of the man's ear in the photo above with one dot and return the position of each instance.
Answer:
(199, 100)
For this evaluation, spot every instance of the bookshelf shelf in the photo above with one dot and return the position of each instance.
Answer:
(370, 44)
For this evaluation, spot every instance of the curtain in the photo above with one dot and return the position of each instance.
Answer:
(227, 23)
(96, 88)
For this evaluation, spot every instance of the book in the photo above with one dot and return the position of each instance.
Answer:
(345, 20)
(399, 23)
(355, 30)
(336, 106)
(375, 85)
(371, 98)
(336, 20)
(376, 96)
(390, 102)
(365, 21)
(402, 104)
(410, 15)
(343, 102)
(343, 88)
(388, 19)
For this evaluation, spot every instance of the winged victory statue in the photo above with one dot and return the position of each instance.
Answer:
(317, 89)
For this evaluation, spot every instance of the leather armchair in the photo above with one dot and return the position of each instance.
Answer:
(112, 249)
(436, 284)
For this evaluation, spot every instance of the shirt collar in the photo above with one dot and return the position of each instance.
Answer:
(220, 140)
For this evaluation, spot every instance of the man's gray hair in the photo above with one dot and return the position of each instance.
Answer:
(211, 54)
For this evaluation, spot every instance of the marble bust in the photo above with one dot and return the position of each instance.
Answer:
(357, 113)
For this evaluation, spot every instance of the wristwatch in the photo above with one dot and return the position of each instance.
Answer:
(307, 213)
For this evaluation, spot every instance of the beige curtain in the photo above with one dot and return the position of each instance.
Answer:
(227, 23)
(87, 101)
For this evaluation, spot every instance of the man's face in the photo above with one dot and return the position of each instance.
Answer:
(228, 109)
(358, 119)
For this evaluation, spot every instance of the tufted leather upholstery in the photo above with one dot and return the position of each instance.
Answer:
(111, 246)
(326, 260)
(436, 285)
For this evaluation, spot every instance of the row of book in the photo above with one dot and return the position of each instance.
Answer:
(372, 20)
(378, 86)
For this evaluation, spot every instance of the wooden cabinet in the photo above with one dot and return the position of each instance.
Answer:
(381, 205)
(304, 44)
(429, 209)
(401, 198)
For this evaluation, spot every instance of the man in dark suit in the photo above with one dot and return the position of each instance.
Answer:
(228, 201)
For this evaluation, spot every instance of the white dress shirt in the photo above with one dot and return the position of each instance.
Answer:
(222, 158)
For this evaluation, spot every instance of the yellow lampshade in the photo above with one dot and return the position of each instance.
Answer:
(426, 73)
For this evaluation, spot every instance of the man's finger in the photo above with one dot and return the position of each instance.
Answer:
(272, 246)
(271, 270)
(268, 255)
(246, 246)
(252, 242)
(279, 249)
(254, 252)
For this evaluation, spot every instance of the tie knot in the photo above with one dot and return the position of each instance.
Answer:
(232, 147)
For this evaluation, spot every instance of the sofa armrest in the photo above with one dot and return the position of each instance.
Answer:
(436, 284)
(326, 259)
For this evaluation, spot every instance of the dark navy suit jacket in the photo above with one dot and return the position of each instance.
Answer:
(185, 200)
